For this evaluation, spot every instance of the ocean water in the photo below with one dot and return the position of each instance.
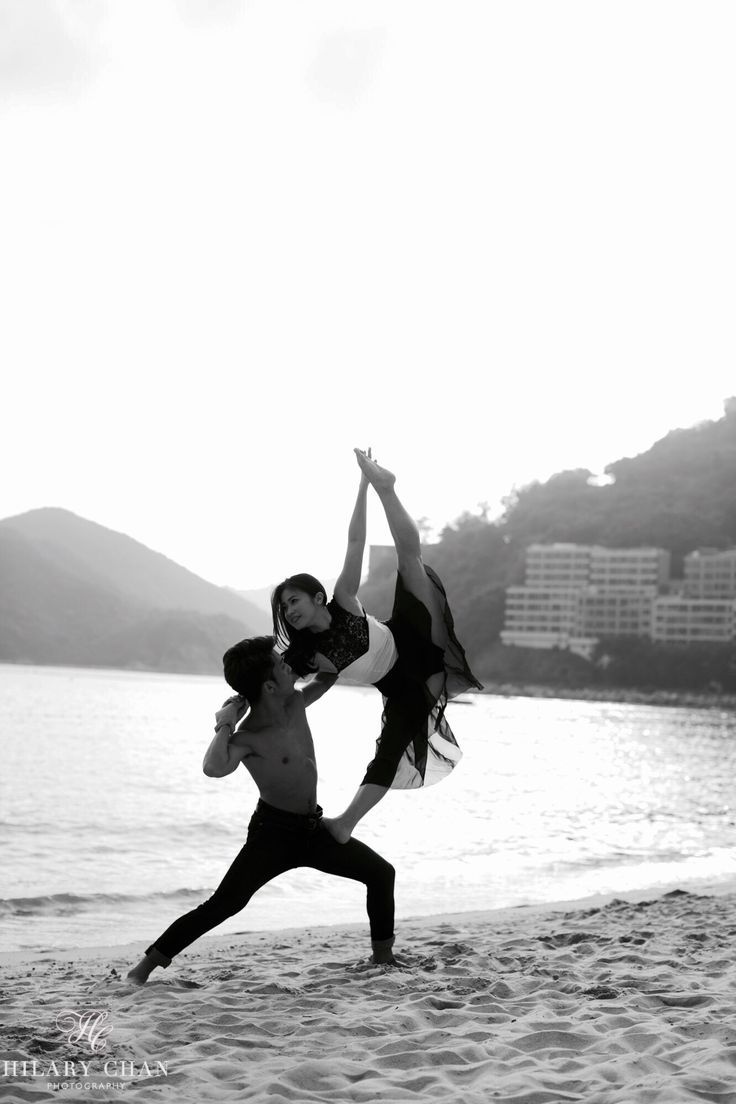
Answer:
(109, 830)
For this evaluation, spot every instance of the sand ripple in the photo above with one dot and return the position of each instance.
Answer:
(628, 1003)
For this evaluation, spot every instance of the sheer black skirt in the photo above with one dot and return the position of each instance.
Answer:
(417, 746)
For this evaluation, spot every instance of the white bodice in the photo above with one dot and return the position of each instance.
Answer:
(377, 661)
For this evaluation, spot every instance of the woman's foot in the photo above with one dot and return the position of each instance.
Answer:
(337, 828)
(380, 478)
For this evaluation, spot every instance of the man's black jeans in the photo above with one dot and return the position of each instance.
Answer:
(279, 841)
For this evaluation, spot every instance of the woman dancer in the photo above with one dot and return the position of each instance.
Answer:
(414, 658)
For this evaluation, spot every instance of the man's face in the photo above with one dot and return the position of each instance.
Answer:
(282, 675)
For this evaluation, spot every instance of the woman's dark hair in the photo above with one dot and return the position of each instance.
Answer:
(248, 664)
(300, 643)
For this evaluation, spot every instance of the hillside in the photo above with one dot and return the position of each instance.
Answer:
(75, 593)
(49, 612)
(137, 573)
(261, 598)
(677, 495)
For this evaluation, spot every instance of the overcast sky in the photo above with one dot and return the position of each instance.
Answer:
(491, 240)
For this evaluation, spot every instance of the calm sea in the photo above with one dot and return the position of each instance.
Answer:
(109, 829)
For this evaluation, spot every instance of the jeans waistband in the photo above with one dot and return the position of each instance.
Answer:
(304, 821)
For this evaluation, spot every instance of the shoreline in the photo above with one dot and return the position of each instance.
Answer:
(706, 887)
(689, 699)
(683, 699)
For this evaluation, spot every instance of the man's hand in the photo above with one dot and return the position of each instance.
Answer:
(222, 757)
(231, 711)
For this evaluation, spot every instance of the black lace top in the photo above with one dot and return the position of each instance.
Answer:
(346, 639)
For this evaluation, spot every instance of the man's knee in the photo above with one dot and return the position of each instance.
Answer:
(385, 874)
(222, 908)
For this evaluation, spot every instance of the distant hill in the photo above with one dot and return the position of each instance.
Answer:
(51, 612)
(171, 641)
(261, 598)
(136, 572)
(677, 495)
(74, 592)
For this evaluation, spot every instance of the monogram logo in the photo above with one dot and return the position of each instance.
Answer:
(90, 1026)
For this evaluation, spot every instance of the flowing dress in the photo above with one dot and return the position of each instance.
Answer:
(416, 677)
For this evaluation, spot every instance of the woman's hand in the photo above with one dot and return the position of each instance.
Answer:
(337, 829)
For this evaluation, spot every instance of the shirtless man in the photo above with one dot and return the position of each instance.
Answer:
(275, 746)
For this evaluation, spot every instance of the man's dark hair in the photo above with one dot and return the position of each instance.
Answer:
(248, 664)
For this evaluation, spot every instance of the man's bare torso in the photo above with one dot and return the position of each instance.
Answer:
(280, 758)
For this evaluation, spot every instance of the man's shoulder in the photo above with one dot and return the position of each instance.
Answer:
(242, 738)
(252, 732)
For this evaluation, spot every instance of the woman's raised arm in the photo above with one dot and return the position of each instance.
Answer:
(346, 587)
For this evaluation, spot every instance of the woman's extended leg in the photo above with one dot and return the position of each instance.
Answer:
(407, 543)
(416, 581)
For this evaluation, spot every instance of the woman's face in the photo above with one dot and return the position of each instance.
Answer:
(299, 608)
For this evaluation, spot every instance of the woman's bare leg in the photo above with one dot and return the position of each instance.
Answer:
(407, 543)
(411, 567)
(366, 798)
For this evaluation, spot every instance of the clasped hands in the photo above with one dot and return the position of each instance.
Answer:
(231, 711)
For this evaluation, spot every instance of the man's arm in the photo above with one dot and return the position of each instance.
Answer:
(223, 755)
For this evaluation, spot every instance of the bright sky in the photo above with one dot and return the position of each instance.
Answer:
(491, 240)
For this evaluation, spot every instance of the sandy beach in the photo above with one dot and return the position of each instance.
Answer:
(605, 1001)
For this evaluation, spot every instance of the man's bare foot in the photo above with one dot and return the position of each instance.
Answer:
(380, 478)
(140, 973)
(151, 959)
(337, 829)
(383, 953)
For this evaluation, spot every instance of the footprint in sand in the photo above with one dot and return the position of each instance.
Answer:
(570, 939)
(602, 992)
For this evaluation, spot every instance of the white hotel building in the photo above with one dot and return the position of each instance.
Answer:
(573, 594)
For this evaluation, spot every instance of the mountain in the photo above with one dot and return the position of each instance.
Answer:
(74, 592)
(678, 495)
(50, 612)
(134, 571)
(261, 598)
(171, 641)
